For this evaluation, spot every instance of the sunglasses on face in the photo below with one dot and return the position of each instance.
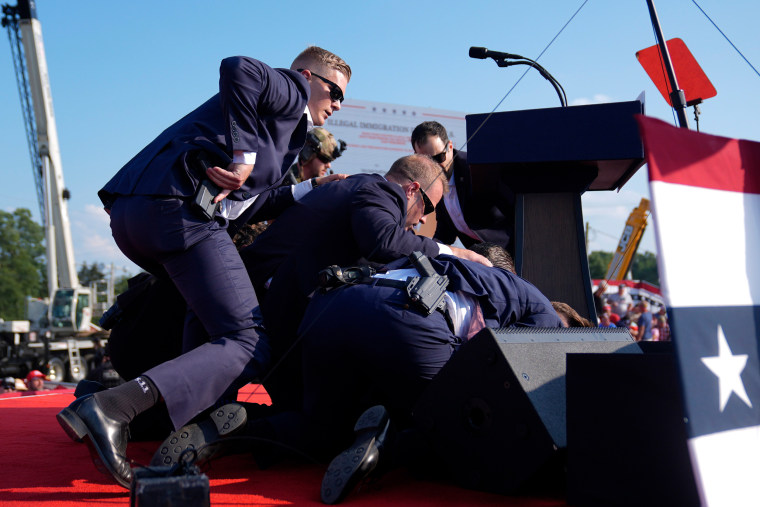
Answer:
(335, 92)
(441, 157)
(429, 208)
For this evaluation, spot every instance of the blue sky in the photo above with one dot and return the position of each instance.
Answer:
(121, 72)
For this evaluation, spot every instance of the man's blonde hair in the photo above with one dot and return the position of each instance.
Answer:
(320, 60)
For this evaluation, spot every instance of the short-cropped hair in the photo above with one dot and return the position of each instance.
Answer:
(427, 129)
(316, 58)
(497, 254)
(419, 168)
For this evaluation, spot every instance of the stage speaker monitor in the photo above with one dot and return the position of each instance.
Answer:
(495, 413)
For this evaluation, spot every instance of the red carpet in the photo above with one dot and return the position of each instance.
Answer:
(40, 466)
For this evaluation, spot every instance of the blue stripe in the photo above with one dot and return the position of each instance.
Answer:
(695, 333)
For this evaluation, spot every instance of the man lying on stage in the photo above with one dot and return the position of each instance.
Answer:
(368, 343)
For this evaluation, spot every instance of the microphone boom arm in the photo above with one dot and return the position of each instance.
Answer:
(527, 61)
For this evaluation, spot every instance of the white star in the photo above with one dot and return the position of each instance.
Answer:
(728, 368)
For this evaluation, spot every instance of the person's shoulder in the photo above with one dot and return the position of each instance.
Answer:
(239, 61)
(454, 264)
(367, 177)
(360, 187)
(249, 65)
(373, 182)
(460, 159)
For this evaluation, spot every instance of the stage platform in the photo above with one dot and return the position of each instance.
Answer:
(41, 466)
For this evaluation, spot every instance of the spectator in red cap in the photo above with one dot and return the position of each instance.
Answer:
(634, 329)
(35, 380)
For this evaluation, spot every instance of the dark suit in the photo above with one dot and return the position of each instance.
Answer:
(360, 218)
(488, 212)
(258, 109)
(365, 345)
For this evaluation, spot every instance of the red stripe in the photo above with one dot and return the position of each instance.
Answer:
(686, 157)
(433, 115)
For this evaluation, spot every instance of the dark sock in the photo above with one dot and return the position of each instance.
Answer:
(124, 402)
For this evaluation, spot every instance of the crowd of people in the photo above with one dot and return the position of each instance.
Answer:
(645, 323)
(31, 384)
(337, 307)
(35, 382)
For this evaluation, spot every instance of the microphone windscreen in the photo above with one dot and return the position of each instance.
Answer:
(477, 52)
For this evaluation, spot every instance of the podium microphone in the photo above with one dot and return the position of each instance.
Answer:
(483, 53)
(501, 61)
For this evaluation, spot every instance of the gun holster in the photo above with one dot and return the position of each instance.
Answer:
(203, 199)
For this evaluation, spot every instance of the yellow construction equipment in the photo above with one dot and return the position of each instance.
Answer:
(629, 242)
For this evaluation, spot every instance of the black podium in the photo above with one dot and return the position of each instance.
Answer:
(548, 158)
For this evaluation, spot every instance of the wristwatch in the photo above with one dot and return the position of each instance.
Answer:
(314, 183)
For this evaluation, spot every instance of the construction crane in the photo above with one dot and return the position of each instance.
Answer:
(70, 303)
(64, 340)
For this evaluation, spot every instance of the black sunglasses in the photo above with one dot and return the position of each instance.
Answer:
(441, 157)
(429, 208)
(335, 92)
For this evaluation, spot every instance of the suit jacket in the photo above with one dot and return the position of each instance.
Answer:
(342, 222)
(505, 298)
(258, 109)
(488, 212)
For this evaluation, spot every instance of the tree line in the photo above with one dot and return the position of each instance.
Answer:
(23, 264)
(643, 267)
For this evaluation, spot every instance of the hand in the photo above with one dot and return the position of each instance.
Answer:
(321, 180)
(463, 253)
(229, 179)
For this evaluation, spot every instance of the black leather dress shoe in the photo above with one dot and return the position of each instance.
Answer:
(205, 437)
(74, 428)
(361, 459)
(106, 438)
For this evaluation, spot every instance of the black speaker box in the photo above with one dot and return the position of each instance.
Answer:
(626, 437)
(495, 413)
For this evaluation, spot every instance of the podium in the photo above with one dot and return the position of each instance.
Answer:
(548, 158)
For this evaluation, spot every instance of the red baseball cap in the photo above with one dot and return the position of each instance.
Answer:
(34, 374)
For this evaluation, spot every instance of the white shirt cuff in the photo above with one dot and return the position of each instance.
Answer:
(444, 249)
(244, 157)
(301, 189)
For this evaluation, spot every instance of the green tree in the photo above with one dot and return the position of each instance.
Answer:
(22, 262)
(644, 267)
(598, 262)
(92, 273)
(120, 284)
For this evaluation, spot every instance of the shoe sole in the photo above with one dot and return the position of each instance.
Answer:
(341, 476)
(75, 428)
(224, 421)
(228, 419)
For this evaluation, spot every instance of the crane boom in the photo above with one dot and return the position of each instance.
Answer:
(629, 242)
(34, 83)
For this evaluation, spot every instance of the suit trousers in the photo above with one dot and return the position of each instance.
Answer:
(362, 346)
(223, 344)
